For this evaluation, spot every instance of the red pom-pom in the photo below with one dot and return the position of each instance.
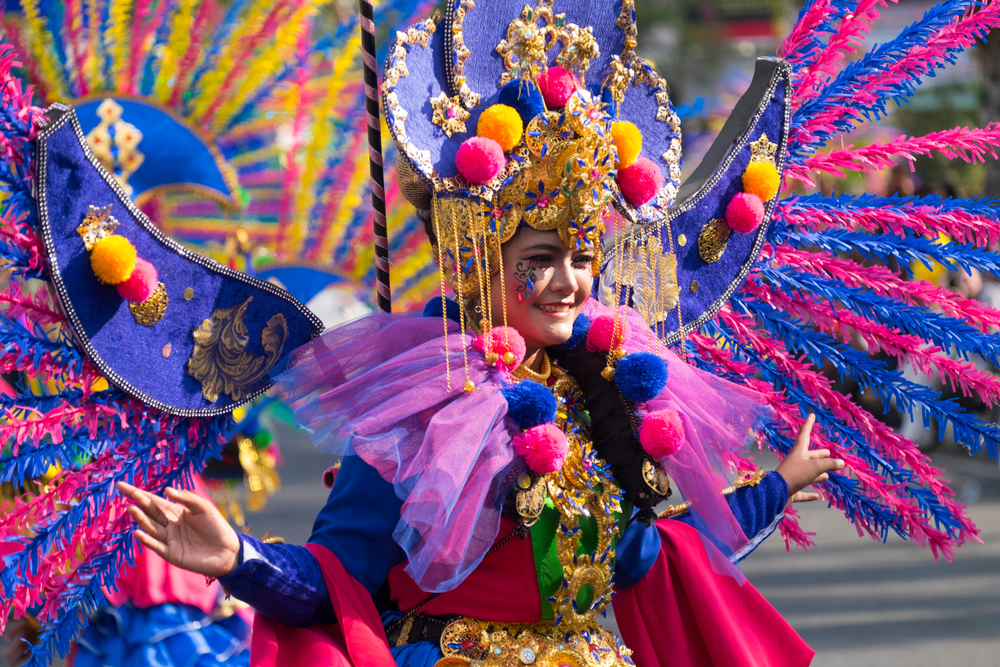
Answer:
(661, 433)
(556, 86)
(640, 181)
(543, 447)
(505, 342)
(479, 160)
(745, 213)
(602, 335)
(141, 284)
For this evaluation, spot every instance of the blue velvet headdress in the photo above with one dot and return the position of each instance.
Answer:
(221, 336)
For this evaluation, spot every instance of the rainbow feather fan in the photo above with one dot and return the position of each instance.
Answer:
(809, 291)
(190, 58)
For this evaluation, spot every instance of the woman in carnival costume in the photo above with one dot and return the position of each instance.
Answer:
(503, 456)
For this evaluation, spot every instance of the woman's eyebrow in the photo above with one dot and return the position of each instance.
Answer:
(549, 247)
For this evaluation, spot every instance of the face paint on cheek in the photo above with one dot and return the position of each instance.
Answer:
(525, 275)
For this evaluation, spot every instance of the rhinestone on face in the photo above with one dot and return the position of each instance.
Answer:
(527, 656)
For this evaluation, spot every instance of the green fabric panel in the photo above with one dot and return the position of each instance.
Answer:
(543, 546)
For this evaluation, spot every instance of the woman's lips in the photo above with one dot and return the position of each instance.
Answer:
(556, 310)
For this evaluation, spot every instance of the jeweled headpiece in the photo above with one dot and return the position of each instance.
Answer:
(511, 115)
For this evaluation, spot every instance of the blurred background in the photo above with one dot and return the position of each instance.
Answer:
(857, 602)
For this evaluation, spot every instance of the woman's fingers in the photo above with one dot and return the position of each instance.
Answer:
(152, 543)
(188, 499)
(144, 522)
(802, 439)
(804, 497)
(152, 506)
(819, 453)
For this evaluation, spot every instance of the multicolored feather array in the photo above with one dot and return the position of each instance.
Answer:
(62, 545)
(824, 276)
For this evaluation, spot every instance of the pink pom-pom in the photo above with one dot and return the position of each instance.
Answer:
(543, 447)
(602, 335)
(744, 213)
(505, 342)
(141, 284)
(556, 86)
(479, 160)
(640, 181)
(661, 433)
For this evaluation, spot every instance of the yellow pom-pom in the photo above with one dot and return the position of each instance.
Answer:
(113, 259)
(502, 124)
(761, 179)
(628, 142)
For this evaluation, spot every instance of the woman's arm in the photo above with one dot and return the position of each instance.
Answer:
(282, 581)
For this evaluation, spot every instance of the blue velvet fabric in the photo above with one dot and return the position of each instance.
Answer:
(356, 524)
(757, 508)
(167, 635)
(68, 184)
(635, 553)
(175, 156)
(703, 286)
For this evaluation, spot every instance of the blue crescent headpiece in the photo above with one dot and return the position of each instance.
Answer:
(206, 341)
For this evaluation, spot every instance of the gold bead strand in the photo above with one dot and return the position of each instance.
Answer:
(444, 299)
(469, 385)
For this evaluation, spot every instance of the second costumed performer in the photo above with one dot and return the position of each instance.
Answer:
(504, 452)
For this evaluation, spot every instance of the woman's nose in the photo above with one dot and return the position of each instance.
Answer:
(563, 278)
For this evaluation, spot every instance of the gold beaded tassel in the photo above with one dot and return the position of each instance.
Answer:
(436, 213)
(469, 385)
(618, 327)
(481, 255)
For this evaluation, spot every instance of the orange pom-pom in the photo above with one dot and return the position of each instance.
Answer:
(113, 259)
(761, 179)
(628, 142)
(502, 124)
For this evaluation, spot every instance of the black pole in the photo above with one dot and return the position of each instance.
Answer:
(372, 115)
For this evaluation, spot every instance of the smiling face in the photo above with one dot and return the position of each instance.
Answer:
(546, 285)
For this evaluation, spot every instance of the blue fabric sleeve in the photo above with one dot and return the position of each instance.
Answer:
(758, 509)
(282, 581)
(285, 582)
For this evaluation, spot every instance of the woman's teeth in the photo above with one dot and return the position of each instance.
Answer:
(553, 308)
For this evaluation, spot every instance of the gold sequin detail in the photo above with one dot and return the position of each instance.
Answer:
(151, 311)
(713, 239)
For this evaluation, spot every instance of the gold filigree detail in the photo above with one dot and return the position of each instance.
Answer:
(115, 143)
(461, 54)
(656, 479)
(763, 149)
(619, 79)
(580, 48)
(468, 641)
(220, 360)
(151, 311)
(531, 501)
(449, 114)
(582, 485)
(713, 239)
(97, 224)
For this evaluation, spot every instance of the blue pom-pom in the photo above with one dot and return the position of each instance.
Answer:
(433, 309)
(598, 90)
(530, 403)
(524, 97)
(580, 328)
(641, 376)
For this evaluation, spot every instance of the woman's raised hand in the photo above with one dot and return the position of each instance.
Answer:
(185, 529)
(803, 466)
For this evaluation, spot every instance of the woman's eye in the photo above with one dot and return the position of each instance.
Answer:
(583, 260)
